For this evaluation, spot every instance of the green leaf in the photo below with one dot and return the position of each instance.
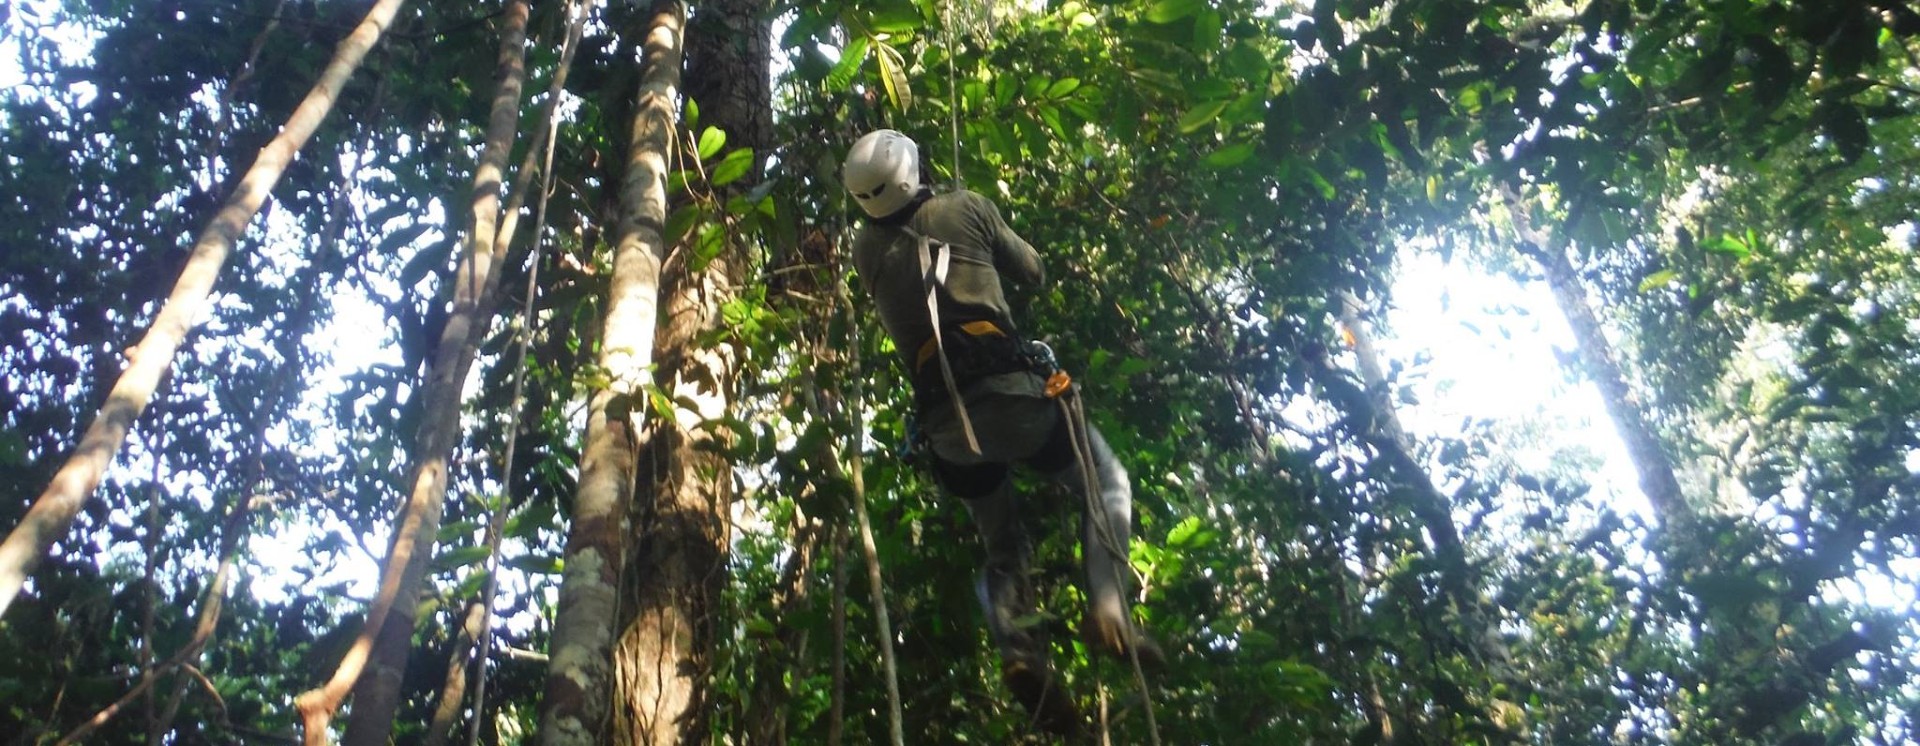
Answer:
(1207, 29)
(682, 221)
(1200, 116)
(537, 564)
(1004, 89)
(458, 530)
(712, 242)
(1051, 115)
(1658, 280)
(893, 74)
(732, 167)
(896, 20)
(841, 77)
(1062, 88)
(1230, 156)
(1168, 11)
(460, 557)
(1729, 246)
(1327, 190)
(423, 262)
(1189, 534)
(711, 141)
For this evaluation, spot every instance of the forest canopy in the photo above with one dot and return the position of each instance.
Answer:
(399, 372)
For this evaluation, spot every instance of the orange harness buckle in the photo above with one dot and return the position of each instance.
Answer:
(1058, 383)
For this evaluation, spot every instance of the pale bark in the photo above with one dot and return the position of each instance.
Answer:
(1650, 460)
(53, 512)
(579, 676)
(678, 560)
(373, 667)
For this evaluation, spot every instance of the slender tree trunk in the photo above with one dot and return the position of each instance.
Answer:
(1390, 440)
(53, 512)
(682, 515)
(1650, 459)
(856, 477)
(380, 651)
(837, 699)
(453, 691)
(579, 677)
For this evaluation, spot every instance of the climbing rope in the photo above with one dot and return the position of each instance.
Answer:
(1082, 442)
(953, 91)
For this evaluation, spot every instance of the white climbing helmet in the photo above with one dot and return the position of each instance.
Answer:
(882, 171)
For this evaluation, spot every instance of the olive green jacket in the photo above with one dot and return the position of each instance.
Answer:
(985, 251)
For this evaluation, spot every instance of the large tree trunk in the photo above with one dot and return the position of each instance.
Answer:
(1650, 459)
(380, 650)
(682, 516)
(578, 679)
(53, 511)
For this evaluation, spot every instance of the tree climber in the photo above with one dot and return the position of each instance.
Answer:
(934, 267)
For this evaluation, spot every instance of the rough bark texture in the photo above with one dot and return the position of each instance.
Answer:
(576, 706)
(682, 514)
(374, 666)
(1650, 460)
(53, 511)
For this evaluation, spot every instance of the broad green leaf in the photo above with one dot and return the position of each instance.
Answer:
(1729, 246)
(713, 240)
(1062, 88)
(1051, 115)
(1185, 534)
(1200, 116)
(1168, 11)
(1207, 29)
(841, 77)
(529, 522)
(1036, 86)
(732, 167)
(893, 74)
(1230, 156)
(1004, 89)
(896, 20)
(711, 141)
(460, 557)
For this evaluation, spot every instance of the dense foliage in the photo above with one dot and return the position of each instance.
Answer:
(1724, 190)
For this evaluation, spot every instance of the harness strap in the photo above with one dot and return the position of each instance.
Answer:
(933, 274)
(972, 328)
